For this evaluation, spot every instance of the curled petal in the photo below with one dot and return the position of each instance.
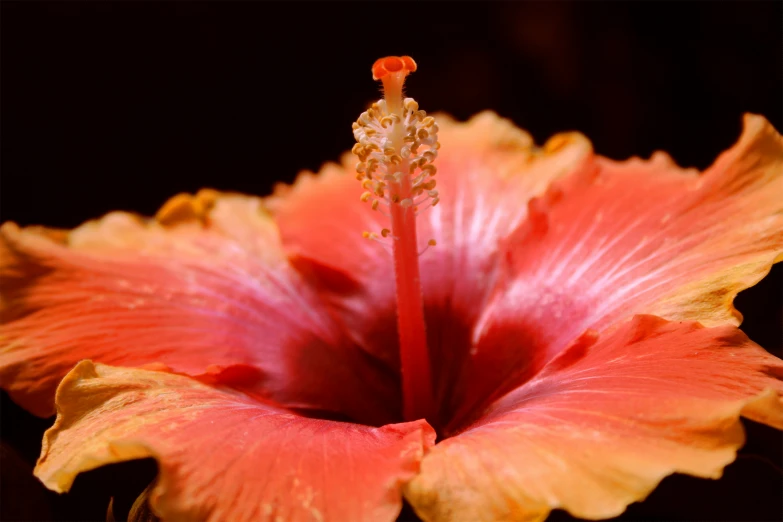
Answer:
(637, 237)
(203, 290)
(223, 456)
(603, 424)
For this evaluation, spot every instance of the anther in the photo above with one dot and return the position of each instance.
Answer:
(430, 243)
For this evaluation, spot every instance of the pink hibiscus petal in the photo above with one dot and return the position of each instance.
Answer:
(202, 292)
(603, 423)
(617, 239)
(223, 456)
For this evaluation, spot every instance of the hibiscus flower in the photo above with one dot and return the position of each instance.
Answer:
(488, 328)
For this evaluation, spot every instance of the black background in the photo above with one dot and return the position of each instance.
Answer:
(119, 105)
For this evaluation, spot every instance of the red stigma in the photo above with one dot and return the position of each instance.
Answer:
(392, 64)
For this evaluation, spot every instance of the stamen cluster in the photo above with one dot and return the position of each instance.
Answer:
(383, 166)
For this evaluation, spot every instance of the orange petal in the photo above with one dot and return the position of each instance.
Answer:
(223, 456)
(603, 424)
(617, 239)
(205, 291)
(487, 171)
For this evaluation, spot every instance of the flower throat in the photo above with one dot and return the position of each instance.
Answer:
(396, 145)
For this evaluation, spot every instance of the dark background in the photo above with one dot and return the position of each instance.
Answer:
(119, 105)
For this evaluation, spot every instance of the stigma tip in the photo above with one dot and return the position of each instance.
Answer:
(392, 64)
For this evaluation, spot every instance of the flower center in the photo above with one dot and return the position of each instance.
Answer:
(396, 145)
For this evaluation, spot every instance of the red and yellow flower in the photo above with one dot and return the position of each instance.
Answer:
(568, 335)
